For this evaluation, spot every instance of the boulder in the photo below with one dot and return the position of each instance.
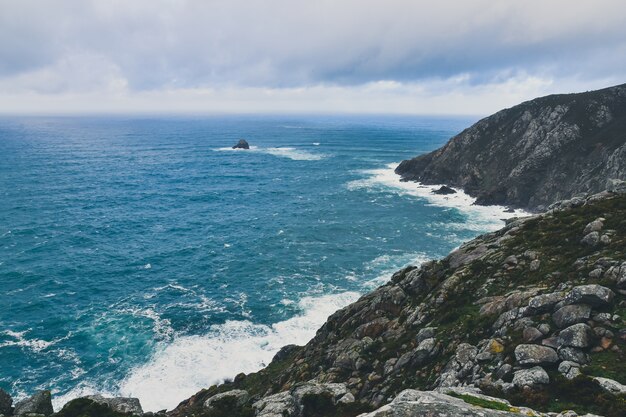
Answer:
(545, 302)
(611, 385)
(615, 185)
(573, 355)
(444, 190)
(284, 352)
(277, 405)
(425, 333)
(39, 403)
(571, 314)
(530, 334)
(5, 403)
(569, 369)
(242, 144)
(594, 226)
(535, 355)
(124, 405)
(591, 239)
(413, 403)
(238, 396)
(593, 294)
(530, 377)
(578, 335)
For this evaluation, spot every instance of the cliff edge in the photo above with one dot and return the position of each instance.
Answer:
(534, 154)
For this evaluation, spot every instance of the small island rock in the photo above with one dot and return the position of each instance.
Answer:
(242, 144)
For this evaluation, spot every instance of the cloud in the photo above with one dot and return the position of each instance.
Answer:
(133, 49)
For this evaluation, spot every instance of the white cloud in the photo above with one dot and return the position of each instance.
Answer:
(261, 54)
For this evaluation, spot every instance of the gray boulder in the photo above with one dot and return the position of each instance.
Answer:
(425, 333)
(594, 226)
(571, 314)
(573, 354)
(5, 403)
(125, 405)
(569, 369)
(593, 294)
(591, 239)
(413, 403)
(545, 302)
(239, 396)
(535, 355)
(530, 377)
(611, 385)
(578, 335)
(615, 185)
(530, 334)
(277, 405)
(40, 403)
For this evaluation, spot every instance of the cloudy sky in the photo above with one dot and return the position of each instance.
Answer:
(283, 56)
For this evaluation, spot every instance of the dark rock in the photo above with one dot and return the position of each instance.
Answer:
(242, 144)
(284, 352)
(578, 335)
(571, 314)
(5, 403)
(573, 355)
(444, 190)
(124, 405)
(593, 294)
(39, 403)
(534, 154)
(425, 333)
(530, 334)
(237, 396)
(535, 355)
(569, 369)
(545, 302)
(591, 239)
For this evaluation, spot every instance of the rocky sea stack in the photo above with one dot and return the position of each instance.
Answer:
(242, 144)
(536, 153)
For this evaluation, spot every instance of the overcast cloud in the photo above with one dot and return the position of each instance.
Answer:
(470, 56)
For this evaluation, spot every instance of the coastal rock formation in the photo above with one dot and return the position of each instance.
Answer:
(528, 314)
(242, 144)
(40, 403)
(536, 153)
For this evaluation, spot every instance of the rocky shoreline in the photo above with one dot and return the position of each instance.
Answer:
(530, 319)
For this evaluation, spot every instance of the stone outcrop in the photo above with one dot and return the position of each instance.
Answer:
(40, 403)
(545, 150)
(242, 144)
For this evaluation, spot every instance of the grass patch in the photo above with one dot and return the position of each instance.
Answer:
(481, 402)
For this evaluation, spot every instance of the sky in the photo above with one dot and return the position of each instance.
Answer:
(468, 57)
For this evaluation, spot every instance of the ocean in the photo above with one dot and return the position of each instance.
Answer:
(142, 256)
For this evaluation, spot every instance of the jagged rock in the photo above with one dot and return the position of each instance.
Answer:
(5, 403)
(571, 314)
(545, 302)
(578, 335)
(593, 294)
(242, 144)
(119, 404)
(611, 385)
(594, 226)
(535, 355)
(39, 403)
(413, 403)
(239, 396)
(569, 369)
(277, 405)
(530, 377)
(425, 333)
(337, 392)
(284, 352)
(444, 190)
(614, 185)
(534, 265)
(530, 334)
(573, 354)
(591, 239)
(503, 371)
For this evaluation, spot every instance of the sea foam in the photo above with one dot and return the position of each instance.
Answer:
(480, 218)
(284, 152)
(190, 363)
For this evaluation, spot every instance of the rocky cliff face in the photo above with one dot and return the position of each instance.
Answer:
(536, 153)
(532, 315)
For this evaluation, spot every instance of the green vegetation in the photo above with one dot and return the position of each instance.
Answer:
(481, 402)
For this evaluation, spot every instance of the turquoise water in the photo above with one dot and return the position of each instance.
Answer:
(142, 256)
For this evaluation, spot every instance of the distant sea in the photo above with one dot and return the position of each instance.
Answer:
(144, 257)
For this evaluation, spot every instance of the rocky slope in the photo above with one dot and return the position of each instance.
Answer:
(536, 153)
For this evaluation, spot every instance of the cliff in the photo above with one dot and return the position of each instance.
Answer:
(536, 153)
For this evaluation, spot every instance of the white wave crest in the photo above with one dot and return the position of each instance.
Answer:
(284, 152)
(36, 345)
(481, 218)
(190, 363)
